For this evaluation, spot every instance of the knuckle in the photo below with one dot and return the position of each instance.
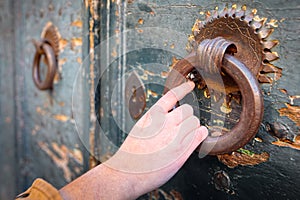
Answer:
(188, 108)
(194, 120)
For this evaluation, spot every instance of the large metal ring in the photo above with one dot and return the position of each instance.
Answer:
(43, 48)
(252, 100)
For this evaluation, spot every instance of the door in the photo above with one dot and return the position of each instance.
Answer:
(59, 134)
(145, 39)
(38, 131)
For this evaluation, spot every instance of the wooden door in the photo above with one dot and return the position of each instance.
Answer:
(38, 133)
(148, 37)
(52, 134)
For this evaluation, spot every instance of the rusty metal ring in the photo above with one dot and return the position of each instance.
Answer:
(43, 48)
(252, 100)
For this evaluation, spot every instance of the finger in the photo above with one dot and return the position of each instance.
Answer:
(180, 114)
(168, 101)
(188, 125)
(191, 143)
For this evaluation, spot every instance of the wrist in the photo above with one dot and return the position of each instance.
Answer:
(122, 185)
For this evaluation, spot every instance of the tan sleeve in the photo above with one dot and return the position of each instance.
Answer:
(40, 190)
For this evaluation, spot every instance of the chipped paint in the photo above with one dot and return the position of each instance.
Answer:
(93, 5)
(164, 74)
(292, 112)
(243, 158)
(62, 104)
(295, 144)
(61, 155)
(62, 118)
(62, 44)
(79, 60)
(293, 97)
(151, 93)
(77, 23)
(167, 195)
(141, 21)
(75, 42)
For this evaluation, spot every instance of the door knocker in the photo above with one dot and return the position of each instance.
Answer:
(233, 43)
(48, 48)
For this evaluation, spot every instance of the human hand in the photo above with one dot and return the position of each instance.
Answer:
(159, 143)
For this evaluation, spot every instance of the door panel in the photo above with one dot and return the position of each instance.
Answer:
(48, 145)
(148, 37)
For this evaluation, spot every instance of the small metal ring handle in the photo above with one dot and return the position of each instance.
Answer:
(43, 48)
(252, 100)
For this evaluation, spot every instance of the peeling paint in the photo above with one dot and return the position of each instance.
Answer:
(292, 112)
(61, 156)
(79, 60)
(62, 118)
(76, 42)
(77, 23)
(159, 194)
(164, 74)
(141, 21)
(151, 93)
(62, 44)
(288, 143)
(244, 159)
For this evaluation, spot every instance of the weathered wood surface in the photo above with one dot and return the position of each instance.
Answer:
(38, 134)
(150, 51)
(38, 131)
(7, 104)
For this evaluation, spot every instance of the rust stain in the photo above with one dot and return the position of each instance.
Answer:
(77, 23)
(288, 143)
(292, 112)
(172, 46)
(62, 118)
(243, 159)
(61, 156)
(76, 42)
(62, 44)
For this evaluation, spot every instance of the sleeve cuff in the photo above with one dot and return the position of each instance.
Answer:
(40, 190)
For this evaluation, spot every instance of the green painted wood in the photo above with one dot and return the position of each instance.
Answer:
(48, 145)
(149, 51)
(8, 160)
